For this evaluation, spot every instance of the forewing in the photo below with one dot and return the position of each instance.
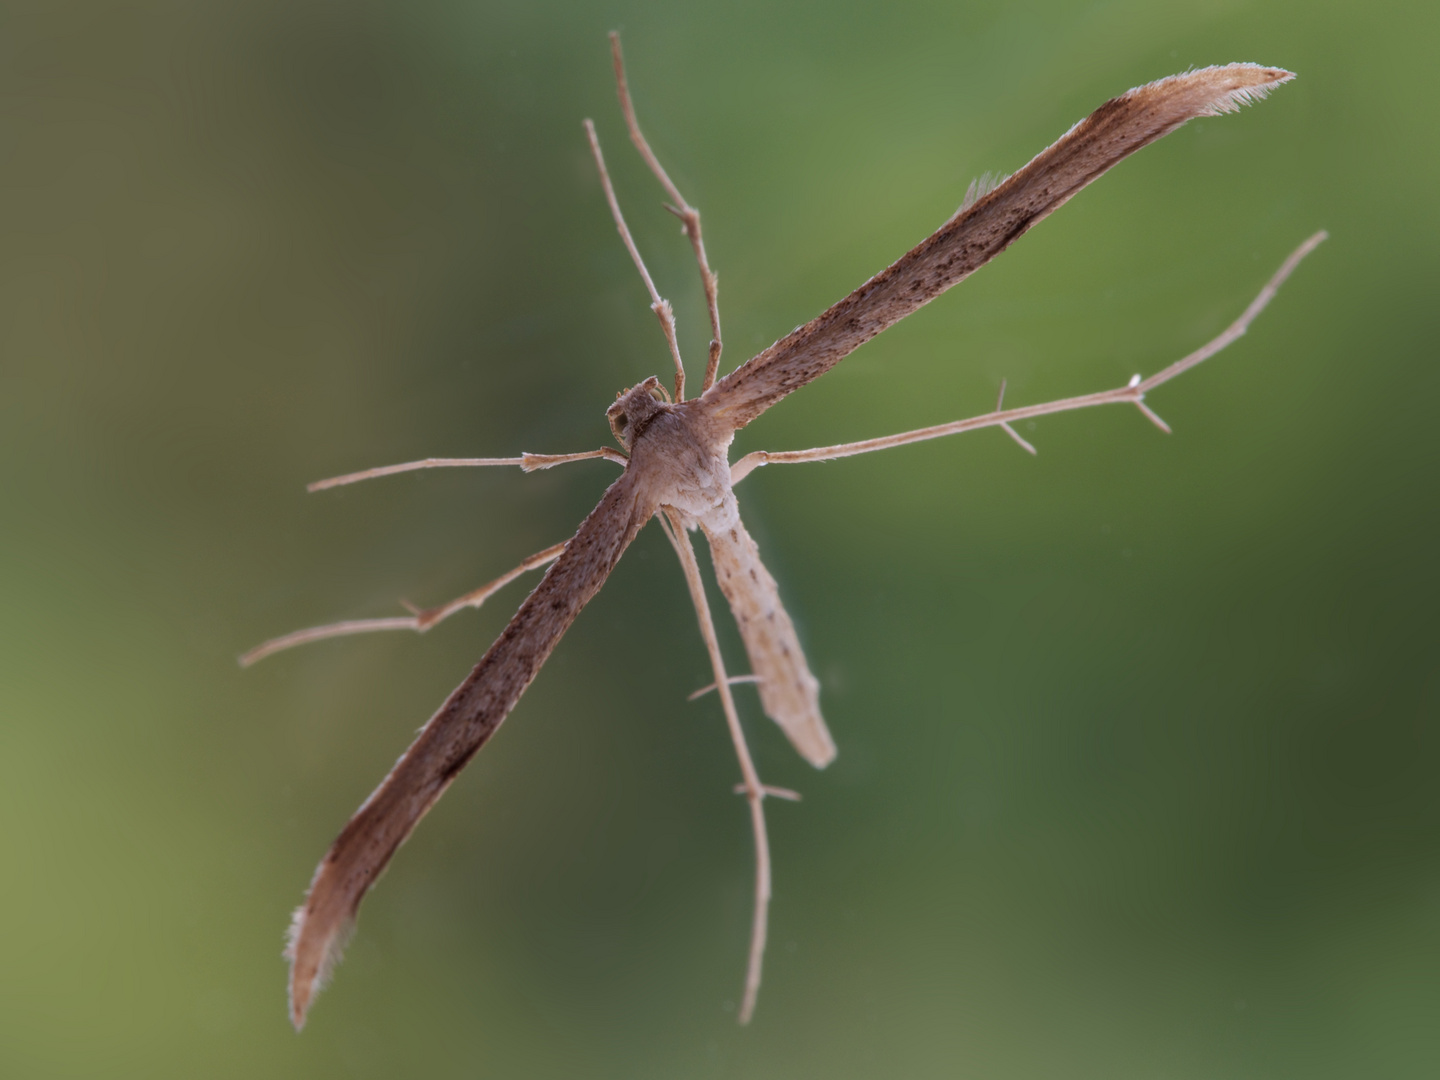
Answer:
(789, 693)
(985, 228)
(447, 743)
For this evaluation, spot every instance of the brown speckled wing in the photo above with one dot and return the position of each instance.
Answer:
(983, 229)
(447, 743)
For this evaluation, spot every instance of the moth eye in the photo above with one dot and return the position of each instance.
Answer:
(622, 422)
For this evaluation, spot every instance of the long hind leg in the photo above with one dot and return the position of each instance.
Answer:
(750, 785)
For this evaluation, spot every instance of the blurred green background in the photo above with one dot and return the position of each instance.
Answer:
(1138, 739)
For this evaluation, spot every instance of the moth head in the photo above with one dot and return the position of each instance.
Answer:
(634, 409)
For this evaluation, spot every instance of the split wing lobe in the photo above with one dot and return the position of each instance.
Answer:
(982, 230)
(451, 738)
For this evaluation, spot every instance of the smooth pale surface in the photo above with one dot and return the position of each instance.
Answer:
(1138, 756)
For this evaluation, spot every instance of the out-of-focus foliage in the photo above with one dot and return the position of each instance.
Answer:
(1139, 751)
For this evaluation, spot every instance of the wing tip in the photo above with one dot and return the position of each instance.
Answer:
(812, 739)
(1218, 89)
(312, 958)
(821, 760)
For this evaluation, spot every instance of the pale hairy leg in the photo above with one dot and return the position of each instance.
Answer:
(527, 462)
(753, 790)
(1133, 393)
(418, 620)
(687, 214)
(658, 304)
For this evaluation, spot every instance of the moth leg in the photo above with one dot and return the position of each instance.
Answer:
(658, 304)
(752, 788)
(687, 214)
(1132, 393)
(418, 620)
(1005, 427)
(773, 792)
(735, 680)
(527, 462)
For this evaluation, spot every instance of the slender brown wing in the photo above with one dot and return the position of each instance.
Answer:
(447, 743)
(985, 228)
(789, 694)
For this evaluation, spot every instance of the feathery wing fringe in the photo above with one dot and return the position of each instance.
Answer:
(981, 186)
